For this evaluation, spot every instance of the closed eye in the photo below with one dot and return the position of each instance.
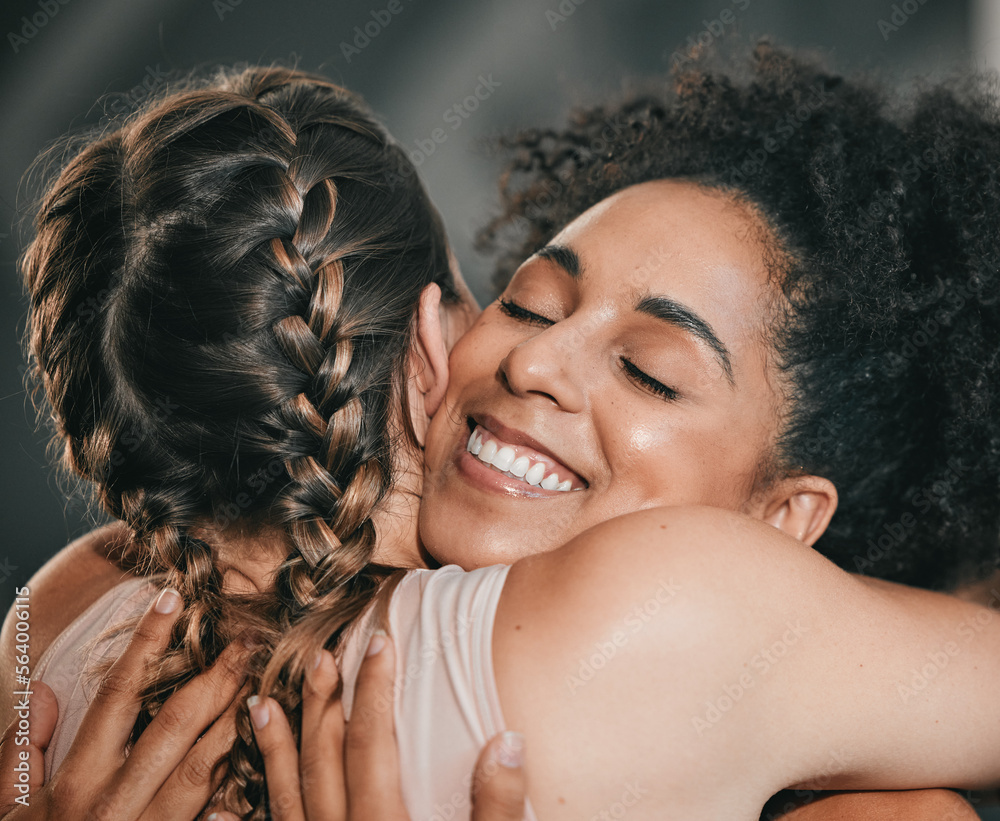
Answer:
(646, 381)
(515, 311)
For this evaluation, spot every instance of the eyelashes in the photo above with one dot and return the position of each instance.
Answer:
(640, 377)
(647, 381)
(515, 311)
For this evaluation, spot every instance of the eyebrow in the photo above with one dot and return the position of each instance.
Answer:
(565, 258)
(687, 320)
(659, 307)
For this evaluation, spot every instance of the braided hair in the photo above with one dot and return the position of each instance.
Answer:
(222, 291)
(882, 212)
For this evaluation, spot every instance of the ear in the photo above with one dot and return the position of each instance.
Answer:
(801, 506)
(428, 360)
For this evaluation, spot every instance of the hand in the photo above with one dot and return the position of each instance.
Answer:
(166, 774)
(353, 774)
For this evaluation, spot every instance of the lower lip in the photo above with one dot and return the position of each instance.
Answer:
(485, 478)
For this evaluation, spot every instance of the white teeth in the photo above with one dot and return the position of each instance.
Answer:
(504, 459)
(535, 474)
(520, 466)
(550, 482)
(488, 452)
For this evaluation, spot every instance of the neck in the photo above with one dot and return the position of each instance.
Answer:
(396, 523)
(248, 558)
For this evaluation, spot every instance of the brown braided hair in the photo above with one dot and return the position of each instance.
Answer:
(222, 290)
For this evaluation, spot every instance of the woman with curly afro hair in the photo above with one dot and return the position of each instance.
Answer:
(887, 250)
(758, 313)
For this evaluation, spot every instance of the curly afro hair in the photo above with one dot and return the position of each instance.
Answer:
(885, 209)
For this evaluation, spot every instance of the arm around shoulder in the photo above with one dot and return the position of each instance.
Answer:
(704, 661)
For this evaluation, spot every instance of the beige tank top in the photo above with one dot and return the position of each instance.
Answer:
(446, 705)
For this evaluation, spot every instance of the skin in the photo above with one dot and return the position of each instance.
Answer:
(559, 378)
(525, 371)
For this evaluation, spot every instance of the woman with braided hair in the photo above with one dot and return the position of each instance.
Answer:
(642, 360)
(223, 296)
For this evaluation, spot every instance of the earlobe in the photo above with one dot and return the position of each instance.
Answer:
(802, 507)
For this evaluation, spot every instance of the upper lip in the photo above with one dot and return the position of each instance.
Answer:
(517, 437)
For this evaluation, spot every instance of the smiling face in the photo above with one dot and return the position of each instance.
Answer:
(625, 367)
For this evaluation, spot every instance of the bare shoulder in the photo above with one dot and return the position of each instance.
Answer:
(62, 589)
(726, 646)
(638, 613)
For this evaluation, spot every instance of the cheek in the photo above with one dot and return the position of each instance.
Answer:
(692, 460)
(475, 356)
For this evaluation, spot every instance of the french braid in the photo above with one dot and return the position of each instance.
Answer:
(222, 291)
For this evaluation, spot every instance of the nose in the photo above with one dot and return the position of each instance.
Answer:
(549, 365)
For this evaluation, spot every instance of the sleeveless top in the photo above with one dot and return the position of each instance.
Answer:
(446, 704)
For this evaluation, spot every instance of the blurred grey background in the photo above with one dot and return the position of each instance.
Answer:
(414, 61)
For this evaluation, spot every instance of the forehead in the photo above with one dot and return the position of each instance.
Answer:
(675, 238)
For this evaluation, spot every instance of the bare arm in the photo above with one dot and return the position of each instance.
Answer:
(700, 662)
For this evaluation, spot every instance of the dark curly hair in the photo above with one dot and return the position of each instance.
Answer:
(222, 291)
(885, 214)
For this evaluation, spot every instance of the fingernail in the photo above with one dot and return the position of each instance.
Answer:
(318, 660)
(377, 643)
(259, 713)
(213, 817)
(510, 751)
(167, 601)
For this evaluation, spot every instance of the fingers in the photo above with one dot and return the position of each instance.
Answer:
(193, 783)
(109, 720)
(178, 724)
(372, 761)
(281, 759)
(22, 765)
(498, 786)
(321, 765)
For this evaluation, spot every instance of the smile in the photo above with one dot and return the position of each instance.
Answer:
(520, 463)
